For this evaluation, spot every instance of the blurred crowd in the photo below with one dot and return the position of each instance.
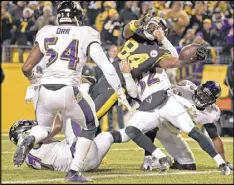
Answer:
(207, 22)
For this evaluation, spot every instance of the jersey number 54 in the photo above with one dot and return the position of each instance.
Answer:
(70, 53)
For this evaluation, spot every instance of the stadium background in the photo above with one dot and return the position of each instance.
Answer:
(209, 22)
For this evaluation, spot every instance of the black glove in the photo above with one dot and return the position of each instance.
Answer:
(147, 16)
(201, 53)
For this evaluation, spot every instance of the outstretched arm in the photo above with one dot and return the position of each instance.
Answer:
(218, 143)
(132, 26)
(131, 86)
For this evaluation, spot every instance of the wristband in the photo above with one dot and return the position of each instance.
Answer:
(132, 26)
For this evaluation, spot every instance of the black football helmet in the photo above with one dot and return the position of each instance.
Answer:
(21, 127)
(70, 12)
(207, 94)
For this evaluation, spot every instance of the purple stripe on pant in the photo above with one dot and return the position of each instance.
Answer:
(90, 121)
(76, 128)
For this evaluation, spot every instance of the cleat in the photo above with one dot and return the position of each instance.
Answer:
(147, 164)
(225, 170)
(230, 166)
(74, 177)
(23, 150)
(164, 164)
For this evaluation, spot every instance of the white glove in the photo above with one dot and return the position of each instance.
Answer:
(122, 100)
(147, 164)
(35, 78)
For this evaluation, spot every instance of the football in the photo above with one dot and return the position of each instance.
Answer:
(188, 53)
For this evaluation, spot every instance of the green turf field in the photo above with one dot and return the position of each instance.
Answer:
(122, 165)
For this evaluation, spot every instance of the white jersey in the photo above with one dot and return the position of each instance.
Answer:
(52, 155)
(58, 156)
(153, 82)
(211, 114)
(65, 50)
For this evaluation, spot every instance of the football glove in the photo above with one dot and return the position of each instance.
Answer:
(147, 16)
(35, 78)
(122, 100)
(201, 53)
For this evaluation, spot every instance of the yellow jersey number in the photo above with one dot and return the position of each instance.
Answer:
(134, 59)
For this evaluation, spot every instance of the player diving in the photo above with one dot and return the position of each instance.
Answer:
(153, 84)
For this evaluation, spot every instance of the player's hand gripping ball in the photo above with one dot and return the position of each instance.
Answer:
(193, 53)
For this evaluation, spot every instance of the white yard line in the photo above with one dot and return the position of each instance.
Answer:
(110, 176)
(124, 149)
(186, 139)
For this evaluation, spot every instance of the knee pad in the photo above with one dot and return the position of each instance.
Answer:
(179, 166)
(116, 136)
(212, 130)
(132, 132)
(88, 134)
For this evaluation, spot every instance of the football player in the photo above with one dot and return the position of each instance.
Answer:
(159, 104)
(67, 47)
(200, 104)
(52, 154)
(156, 104)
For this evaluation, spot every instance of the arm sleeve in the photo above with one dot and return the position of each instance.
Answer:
(167, 44)
(100, 58)
(130, 85)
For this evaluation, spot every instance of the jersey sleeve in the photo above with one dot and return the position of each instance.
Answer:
(40, 39)
(216, 112)
(186, 87)
(90, 36)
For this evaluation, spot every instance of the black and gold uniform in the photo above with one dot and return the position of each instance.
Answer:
(143, 55)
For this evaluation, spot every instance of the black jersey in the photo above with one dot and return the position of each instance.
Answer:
(142, 53)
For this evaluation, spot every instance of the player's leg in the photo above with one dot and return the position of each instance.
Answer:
(81, 109)
(174, 112)
(99, 148)
(176, 146)
(140, 123)
(47, 107)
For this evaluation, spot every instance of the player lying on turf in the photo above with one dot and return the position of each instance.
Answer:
(200, 104)
(55, 155)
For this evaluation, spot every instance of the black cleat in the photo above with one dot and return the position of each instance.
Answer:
(23, 150)
(164, 164)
